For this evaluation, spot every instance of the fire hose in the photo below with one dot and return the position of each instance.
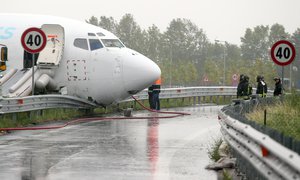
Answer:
(174, 114)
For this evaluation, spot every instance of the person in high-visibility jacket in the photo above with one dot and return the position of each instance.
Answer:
(156, 91)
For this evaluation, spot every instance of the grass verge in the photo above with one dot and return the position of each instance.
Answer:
(284, 116)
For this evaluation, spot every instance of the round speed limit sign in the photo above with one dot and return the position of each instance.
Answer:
(283, 52)
(33, 40)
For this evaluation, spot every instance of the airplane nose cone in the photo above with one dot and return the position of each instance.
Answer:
(139, 73)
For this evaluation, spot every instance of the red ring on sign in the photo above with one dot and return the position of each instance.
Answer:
(288, 44)
(43, 37)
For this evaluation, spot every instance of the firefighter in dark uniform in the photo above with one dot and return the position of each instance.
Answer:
(150, 97)
(239, 93)
(244, 89)
(278, 87)
(247, 88)
(262, 87)
(156, 91)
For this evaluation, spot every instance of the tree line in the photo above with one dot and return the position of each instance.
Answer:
(188, 58)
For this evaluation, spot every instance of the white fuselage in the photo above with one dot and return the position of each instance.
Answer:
(105, 75)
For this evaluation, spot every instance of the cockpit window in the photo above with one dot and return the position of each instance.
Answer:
(81, 43)
(112, 43)
(95, 44)
(91, 34)
(100, 34)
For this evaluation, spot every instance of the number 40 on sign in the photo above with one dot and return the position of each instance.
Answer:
(283, 52)
(33, 40)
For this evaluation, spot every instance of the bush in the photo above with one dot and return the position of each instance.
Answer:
(213, 150)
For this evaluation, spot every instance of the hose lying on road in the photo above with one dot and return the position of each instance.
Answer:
(176, 114)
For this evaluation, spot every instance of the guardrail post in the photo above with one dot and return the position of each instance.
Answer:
(30, 115)
(199, 99)
(14, 116)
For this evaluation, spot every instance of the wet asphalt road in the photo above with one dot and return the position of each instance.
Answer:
(116, 149)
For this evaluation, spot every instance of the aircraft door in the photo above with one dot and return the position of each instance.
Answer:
(53, 52)
(3, 57)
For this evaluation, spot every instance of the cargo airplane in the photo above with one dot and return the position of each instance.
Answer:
(79, 59)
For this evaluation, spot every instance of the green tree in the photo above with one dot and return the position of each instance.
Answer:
(93, 20)
(185, 40)
(153, 43)
(109, 24)
(131, 34)
(277, 32)
(213, 70)
(255, 43)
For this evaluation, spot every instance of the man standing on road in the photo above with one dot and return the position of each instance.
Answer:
(150, 97)
(156, 91)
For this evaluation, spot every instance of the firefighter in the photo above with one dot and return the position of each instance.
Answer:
(262, 87)
(278, 87)
(150, 96)
(156, 91)
(240, 86)
(247, 89)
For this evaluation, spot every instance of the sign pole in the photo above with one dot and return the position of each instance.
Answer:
(33, 59)
(282, 82)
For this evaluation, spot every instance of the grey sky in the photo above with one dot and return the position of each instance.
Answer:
(225, 20)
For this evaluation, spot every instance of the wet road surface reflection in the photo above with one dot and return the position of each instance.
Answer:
(118, 149)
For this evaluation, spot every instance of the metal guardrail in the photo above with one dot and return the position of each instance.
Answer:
(29, 103)
(200, 91)
(268, 157)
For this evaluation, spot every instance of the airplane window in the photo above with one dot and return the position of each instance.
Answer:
(95, 44)
(91, 34)
(100, 34)
(81, 43)
(112, 43)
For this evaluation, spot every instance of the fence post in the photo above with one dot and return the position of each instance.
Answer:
(265, 117)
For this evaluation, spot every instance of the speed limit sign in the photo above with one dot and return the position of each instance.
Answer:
(283, 52)
(33, 40)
